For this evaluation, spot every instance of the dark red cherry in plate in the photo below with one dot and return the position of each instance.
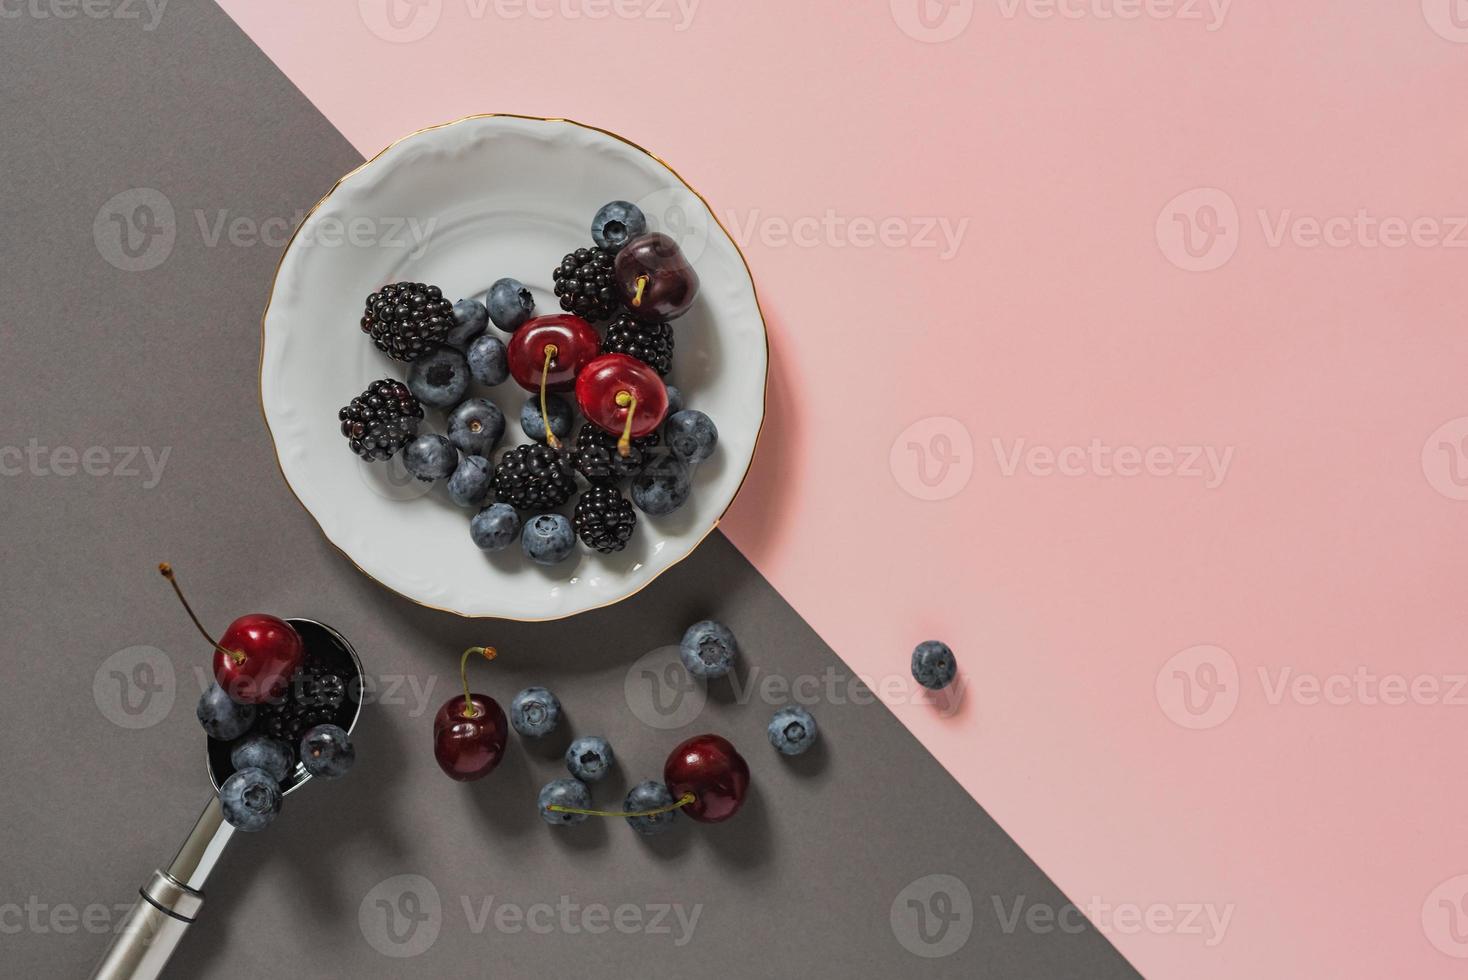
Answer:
(469, 736)
(710, 769)
(654, 278)
(616, 388)
(257, 657)
(552, 349)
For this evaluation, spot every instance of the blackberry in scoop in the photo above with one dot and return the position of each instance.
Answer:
(596, 456)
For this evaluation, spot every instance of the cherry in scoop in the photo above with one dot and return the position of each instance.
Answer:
(257, 655)
(470, 730)
(654, 277)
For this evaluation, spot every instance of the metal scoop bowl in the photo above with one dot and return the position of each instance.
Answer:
(171, 900)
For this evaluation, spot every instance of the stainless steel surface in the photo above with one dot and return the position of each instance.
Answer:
(172, 899)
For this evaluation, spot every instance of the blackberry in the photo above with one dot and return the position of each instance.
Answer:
(604, 519)
(381, 420)
(407, 319)
(535, 478)
(315, 696)
(651, 343)
(586, 282)
(596, 456)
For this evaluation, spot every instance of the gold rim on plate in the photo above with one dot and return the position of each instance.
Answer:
(754, 291)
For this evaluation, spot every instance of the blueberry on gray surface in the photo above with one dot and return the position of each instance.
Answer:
(250, 800)
(535, 712)
(691, 435)
(470, 319)
(221, 717)
(555, 407)
(489, 361)
(471, 482)
(476, 426)
(548, 539)
(564, 792)
(495, 527)
(616, 224)
(650, 795)
(792, 730)
(440, 377)
(327, 751)
(510, 304)
(933, 665)
(662, 487)
(259, 752)
(430, 457)
(675, 400)
(589, 758)
(708, 649)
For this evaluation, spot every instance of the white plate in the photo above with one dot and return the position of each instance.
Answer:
(460, 206)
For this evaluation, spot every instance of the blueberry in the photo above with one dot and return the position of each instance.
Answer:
(326, 751)
(618, 223)
(548, 539)
(564, 792)
(708, 649)
(792, 730)
(535, 712)
(556, 408)
(691, 435)
(933, 665)
(495, 527)
(589, 758)
(662, 487)
(675, 400)
(222, 718)
(260, 752)
(430, 457)
(440, 377)
(476, 427)
(488, 361)
(250, 799)
(510, 304)
(650, 796)
(470, 319)
(471, 483)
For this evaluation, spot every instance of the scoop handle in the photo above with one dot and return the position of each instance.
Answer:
(167, 905)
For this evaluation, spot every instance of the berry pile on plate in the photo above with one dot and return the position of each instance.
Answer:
(634, 432)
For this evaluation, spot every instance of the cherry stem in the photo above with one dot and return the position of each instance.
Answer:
(550, 355)
(627, 400)
(683, 801)
(488, 653)
(166, 570)
(642, 282)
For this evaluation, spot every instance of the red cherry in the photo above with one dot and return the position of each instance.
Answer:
(709, 769)
(655, 279)
(553, 350)
(469, 736)
(469, 730)
(622, 395)
(256, 657)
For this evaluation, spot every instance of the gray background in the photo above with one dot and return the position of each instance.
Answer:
(801, 883)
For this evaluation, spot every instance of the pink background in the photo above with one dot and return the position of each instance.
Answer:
(1334, 541)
